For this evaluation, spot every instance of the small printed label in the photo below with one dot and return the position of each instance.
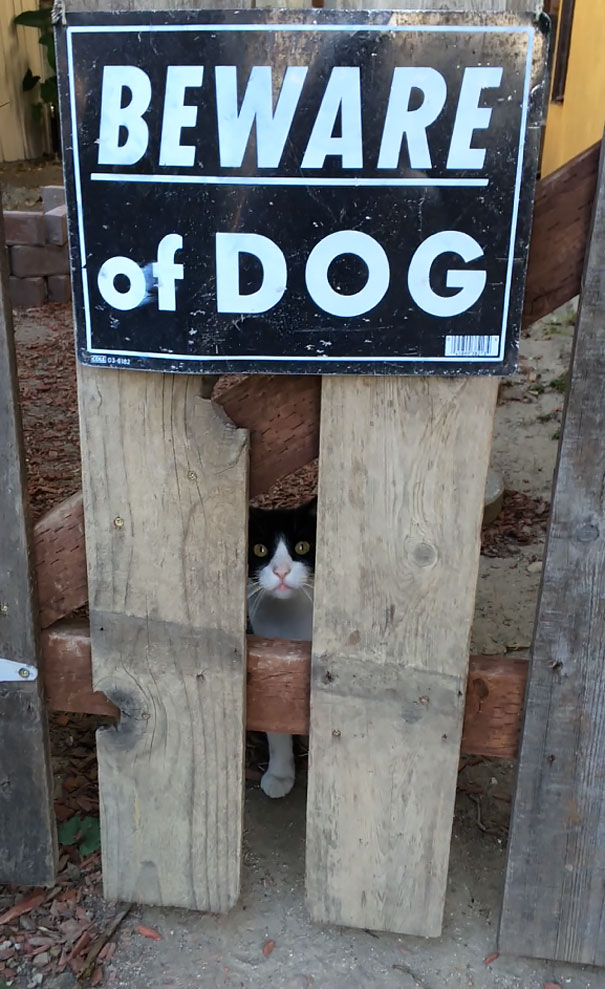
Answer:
(472, 346)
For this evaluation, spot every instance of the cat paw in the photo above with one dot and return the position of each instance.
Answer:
(276, 786)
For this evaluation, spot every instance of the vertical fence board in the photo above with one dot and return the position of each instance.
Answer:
(554, 901)
(166, 503)
(402, 474)
(27, 828)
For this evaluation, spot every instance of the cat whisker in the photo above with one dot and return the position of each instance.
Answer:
(255, 604)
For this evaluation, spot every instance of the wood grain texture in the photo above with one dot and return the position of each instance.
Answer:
(60, 555)
(562, 217)
(278, 686)
(165, 495)
(68, 670)
(554, 902)
(493, 711)
(27, 829)
(402, 474)
(282, 414)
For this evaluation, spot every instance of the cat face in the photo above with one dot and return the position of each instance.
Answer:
(281, 548)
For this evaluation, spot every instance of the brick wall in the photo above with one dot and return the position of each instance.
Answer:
(37, 252)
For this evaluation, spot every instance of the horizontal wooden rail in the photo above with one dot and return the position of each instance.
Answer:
(278, 689)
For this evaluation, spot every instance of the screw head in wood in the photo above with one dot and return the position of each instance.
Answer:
(192, 475)
(3, 608)
(336, 732)
(118, 522)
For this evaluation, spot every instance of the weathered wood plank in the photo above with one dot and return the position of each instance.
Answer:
(165, 495)
(390, 646)
(278, 687)
(562, 217)
(554, 902)
(27, 829)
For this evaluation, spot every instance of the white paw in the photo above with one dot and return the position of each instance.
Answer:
(276, 786)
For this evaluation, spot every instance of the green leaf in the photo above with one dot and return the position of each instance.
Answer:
(47, 40)
(48, 90)
(91, 836)
(69, 830)
(85, 832)
(29, 81)
(34, 18)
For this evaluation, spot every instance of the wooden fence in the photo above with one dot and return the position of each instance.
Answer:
(138, 625)
(20, 136)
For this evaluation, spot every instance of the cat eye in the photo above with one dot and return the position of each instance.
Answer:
(259, 549)
(302, 548)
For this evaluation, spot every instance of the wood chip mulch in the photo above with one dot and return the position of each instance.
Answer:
(68, 926)
(47, 385)
(522, 520)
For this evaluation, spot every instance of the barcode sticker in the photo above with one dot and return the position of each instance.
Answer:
(472, 346)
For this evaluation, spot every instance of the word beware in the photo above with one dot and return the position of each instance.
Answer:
(127, 94)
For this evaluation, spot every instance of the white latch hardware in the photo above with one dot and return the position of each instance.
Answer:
(11, 671)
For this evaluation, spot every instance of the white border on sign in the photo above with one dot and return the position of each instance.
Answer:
(267, 180)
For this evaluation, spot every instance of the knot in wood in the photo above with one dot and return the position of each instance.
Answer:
(587, 532)
(423, 554)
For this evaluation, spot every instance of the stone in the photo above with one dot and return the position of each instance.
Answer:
(59, 288)
(27, 293)
(55, 222)
(26, 261)
(24, 227)
(52, 196)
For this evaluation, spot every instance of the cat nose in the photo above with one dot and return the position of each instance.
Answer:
(281, 572)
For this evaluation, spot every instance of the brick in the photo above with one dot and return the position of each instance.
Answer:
(52, 196)
(26, 262)
(24, 227)
(55, 222)
(59, 288)
(27, 293)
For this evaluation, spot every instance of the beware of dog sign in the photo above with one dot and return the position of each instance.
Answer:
(308, 192)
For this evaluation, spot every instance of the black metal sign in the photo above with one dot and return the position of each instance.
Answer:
(309, 192)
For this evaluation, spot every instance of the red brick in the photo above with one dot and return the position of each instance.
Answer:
(55, 222)
(24, 227)
(59, 288)
(27, 293)
(52, 196)
(26, 262)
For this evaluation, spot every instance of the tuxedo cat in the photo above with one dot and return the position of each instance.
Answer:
(281, 568)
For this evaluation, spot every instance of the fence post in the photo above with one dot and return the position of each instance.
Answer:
(28, 849)
(166, 503)
(402, 472)
(553, 898)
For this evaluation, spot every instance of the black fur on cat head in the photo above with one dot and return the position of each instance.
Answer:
(295, 525)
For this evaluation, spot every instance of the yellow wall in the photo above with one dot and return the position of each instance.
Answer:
(578, 122)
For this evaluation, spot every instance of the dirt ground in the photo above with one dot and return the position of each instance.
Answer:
(268, 939)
